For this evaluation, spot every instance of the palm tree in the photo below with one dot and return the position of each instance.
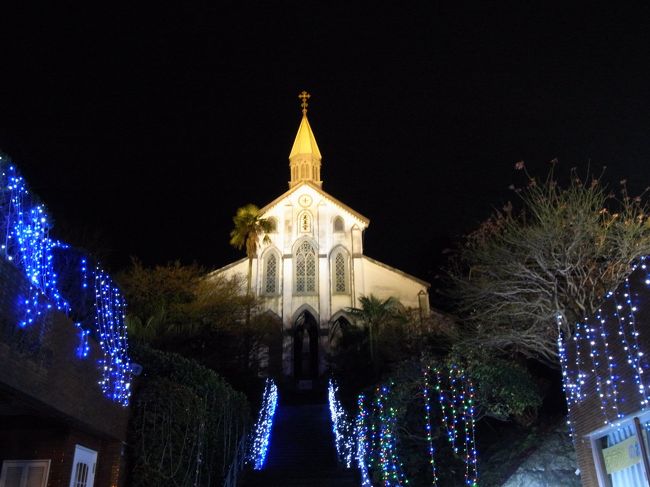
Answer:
(249, 226)
(375, 314)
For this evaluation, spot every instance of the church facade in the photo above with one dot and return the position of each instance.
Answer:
(314, 269)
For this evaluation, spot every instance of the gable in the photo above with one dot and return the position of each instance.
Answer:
(318, 197)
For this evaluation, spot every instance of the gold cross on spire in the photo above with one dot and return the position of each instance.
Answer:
(304, 96)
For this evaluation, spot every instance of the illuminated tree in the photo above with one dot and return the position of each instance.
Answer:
(523, 276)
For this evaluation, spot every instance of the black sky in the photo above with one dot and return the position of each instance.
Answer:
(149, 125)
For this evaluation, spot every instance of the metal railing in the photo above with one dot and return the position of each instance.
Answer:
(237, 464)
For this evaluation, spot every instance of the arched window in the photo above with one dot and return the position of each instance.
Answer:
(305, 269)
(340, 272)
(338, 224)
(271, 274)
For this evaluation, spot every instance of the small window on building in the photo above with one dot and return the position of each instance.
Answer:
(621, 462)
(25, 473)
(338, 224)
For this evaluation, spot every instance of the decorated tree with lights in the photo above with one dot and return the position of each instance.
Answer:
(526, 275)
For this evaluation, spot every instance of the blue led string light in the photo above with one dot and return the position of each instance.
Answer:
(83, 348)
(372, 438)
(110, 323)
(611, 383)
(27, 244)
(392, 471)
(342, 428)
(261, 436)
(446, 399)
(427, 425)
(594, 355)
(362, 441)
(639, 362)
(603, 335)
(568, 385)
(25, 226)
(456, 399)
(471, 455)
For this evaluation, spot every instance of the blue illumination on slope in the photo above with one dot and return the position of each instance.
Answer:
(24, 230)
(261, 435)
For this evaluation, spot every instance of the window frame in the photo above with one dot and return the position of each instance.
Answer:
(345, 255)
(296, 253)
(598, 440)
(338, 219)
(278, 267)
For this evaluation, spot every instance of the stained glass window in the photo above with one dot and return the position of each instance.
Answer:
(271, 276)
(305, 269)
(340, 280)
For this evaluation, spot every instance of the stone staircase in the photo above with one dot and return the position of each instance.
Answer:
(301, 451)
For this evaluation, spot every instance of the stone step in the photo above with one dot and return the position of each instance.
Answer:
(296, 479)
(301, 450)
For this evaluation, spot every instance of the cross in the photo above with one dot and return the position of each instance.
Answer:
(304, 96)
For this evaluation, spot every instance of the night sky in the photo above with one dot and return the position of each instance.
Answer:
(143, 128)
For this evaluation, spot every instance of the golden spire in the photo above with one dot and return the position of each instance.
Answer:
(304, 96)
(305, 158)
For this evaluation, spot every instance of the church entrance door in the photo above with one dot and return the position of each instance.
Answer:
(305, 347)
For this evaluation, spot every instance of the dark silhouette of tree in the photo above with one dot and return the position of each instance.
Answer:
(375, 315)
(524, 276)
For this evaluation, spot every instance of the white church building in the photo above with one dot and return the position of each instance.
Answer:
(314, 268)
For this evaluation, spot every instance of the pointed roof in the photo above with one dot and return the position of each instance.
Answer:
(305, 142)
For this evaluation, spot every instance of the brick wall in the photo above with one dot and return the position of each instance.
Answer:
(591, 413)
(50, 399)
(36, 438)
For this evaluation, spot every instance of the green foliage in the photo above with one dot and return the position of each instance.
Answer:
(249, 227)
(186, 422)
(382, 321)
(505, 390)
(159, 292)
(179, 309)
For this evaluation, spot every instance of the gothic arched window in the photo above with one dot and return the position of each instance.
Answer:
(305, 269)
(338, 224)
(340, 272)
(271, 264)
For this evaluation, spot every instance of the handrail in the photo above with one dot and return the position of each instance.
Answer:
(237, 464)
